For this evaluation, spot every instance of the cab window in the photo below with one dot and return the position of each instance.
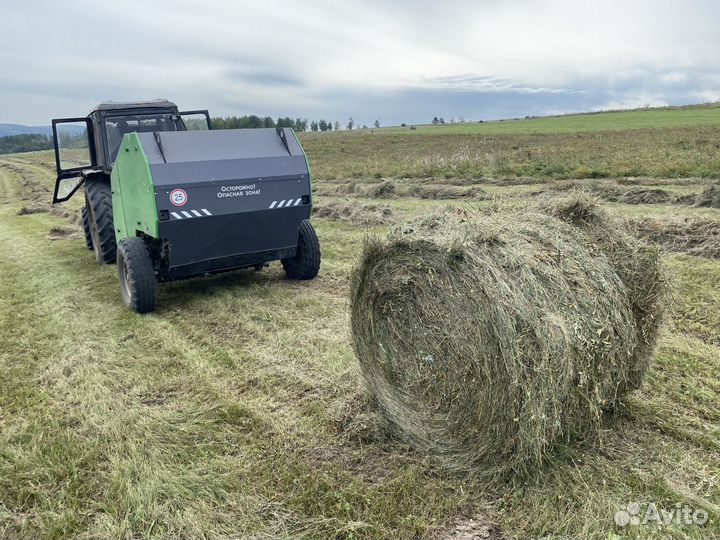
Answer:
(117, 126)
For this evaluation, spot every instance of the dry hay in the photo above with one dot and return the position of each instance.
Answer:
(382, 190)
(647, 196)
(347, 188)
(614, 192)
(643, 181)
(606, 190)
(28, 210)
(709, 197)
(694, 236)
(489, 340)
(61, 233)
(390, 189)
(74, 216)
(441, 192)
(361, 214)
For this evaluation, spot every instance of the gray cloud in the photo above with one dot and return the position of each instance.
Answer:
(400, 60)
(263, 77)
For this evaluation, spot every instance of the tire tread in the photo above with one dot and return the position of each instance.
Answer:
(99, 201)
(306, 262)
(86, 227)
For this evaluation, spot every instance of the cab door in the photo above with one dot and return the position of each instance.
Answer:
(195, 120)
(74, 153)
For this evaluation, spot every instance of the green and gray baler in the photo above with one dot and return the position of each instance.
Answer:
(192, 203)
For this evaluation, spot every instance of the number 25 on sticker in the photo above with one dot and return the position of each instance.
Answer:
(178, 197)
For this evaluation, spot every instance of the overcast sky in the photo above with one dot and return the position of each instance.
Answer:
(394, 60)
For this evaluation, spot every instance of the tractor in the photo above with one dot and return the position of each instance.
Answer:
(167, 197)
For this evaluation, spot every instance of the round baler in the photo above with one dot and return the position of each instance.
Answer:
(180, 204)
(190, 203)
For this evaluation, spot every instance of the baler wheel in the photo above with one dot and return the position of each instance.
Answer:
(86, 227)
(306, 262)
(138, 285)
(98, 201)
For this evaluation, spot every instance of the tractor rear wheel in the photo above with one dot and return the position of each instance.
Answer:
(306, 262)
(138, 285)
(98, 201)
(86, 226)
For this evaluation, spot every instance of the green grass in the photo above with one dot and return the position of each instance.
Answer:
(237, 409)
(664, 117)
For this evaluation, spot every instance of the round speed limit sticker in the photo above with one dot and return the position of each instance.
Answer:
(178, 197)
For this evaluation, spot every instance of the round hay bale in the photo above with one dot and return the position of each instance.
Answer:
(489, 340)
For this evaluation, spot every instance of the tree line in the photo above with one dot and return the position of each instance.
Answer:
(13, 144)
(298, 124)
(252, 121)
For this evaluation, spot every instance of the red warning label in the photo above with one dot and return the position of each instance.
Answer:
(178, 197)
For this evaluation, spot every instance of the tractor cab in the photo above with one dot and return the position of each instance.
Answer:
(86, 148)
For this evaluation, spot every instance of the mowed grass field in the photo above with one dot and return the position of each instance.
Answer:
(238, 410)
(662, 143)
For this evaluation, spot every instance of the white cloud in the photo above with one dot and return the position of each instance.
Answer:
(286, 57)
(673, 77)
(631, 103)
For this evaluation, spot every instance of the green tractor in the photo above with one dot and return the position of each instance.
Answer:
(167, 197)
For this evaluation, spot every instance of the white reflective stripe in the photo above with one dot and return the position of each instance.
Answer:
(273, 204)
(205, 211)
(198, 214)
(186, 214)
(281, 203)
(297, 202)
(176, 215)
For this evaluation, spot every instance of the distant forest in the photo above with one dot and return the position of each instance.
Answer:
(13, 144)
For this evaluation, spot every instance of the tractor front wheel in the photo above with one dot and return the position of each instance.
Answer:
(306, 262)
(138, 285)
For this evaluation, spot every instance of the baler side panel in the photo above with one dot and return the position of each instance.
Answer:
(117, 206)
(307, 164)
(134, 207)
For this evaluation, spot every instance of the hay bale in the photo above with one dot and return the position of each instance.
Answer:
(488, 340)
(709, 197)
